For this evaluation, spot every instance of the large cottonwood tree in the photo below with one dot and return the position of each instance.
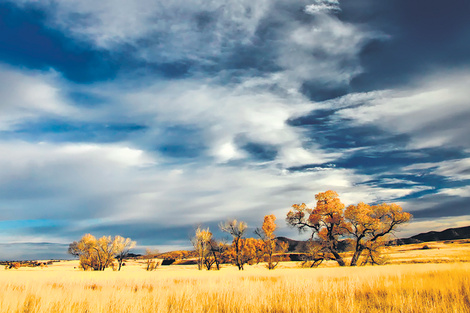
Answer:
(366, 226)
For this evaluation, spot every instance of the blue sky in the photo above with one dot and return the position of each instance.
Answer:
(147, 118)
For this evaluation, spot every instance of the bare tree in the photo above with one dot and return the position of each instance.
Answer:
(218, 250)
(237, 231)
(314, 255)
(149, 256)
(123, 247)
(201, 244)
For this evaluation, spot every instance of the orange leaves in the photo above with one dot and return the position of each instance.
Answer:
(246, 250)
(268, 243)
(323, 234)
(269, 225)
(366, 225)
(314, 219)
(327, 195)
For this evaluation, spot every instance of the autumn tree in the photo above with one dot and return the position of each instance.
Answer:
(270, 244)
(237, 230)
(87, 251)
(123, 247)
(326, 221)
(107, 250)
(98, 254)
(201, 244)
(366, 226)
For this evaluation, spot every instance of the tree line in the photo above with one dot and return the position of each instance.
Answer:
(363, 228)
(242, 250)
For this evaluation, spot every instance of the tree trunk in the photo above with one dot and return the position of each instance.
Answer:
(216, 260)
(338, 258)
(356, 255)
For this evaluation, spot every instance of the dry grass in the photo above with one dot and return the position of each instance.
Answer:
(389, 288)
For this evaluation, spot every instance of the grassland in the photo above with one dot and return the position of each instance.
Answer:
(439, 281)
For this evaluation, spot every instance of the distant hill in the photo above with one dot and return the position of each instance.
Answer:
(294, 245)
(448, 234)
(301, 246)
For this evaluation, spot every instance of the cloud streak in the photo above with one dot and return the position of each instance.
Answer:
(224, 109)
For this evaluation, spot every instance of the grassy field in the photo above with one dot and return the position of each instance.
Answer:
(438, 282)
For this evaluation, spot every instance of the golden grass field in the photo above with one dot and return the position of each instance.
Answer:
(416, 280)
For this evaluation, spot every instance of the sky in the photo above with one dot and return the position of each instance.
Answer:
(147, 118)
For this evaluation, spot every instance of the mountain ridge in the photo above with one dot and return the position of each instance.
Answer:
(447, 234)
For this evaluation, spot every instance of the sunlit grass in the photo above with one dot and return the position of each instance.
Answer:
(388, 288)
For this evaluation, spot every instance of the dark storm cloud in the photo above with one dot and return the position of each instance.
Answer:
(34, 251)
(341, 134)
(370, 162)
(423, 36)
(445, 208)
(150, 233)
(260, 151)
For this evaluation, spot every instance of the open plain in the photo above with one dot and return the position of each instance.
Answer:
(413, 280)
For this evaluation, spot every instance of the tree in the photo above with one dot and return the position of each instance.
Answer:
(369, 225)
(201, 243)
(270, 245)
(149, 256)
(314, 255)
(326, 221)
(98, 254)
(107, 250)
(237, 231)
(366, 226)
(87, 251)
(218, 251)
(123, 247)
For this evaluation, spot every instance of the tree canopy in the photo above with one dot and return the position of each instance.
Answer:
(364, 225)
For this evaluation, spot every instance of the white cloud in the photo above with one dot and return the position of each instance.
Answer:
(458, 192)
(452, 169)
(326, 52)
(100, 182)
(320, 6)
(29, 95)
(161, 30)
(223, 115)
(434, 112)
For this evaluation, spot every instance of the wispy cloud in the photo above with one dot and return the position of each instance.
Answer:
(320, 6)
(28, 95)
